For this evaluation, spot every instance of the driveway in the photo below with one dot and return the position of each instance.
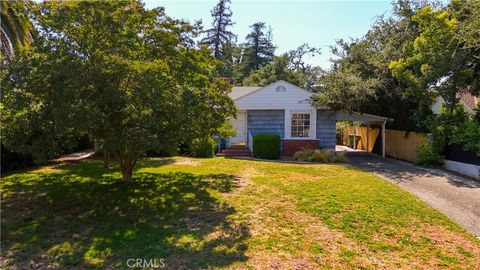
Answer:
(455, 196)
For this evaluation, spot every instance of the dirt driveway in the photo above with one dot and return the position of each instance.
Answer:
(455, 196)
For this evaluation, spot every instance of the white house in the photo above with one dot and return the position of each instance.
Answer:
(284, 109)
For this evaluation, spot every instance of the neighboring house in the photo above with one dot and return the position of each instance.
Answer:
(284, 109)
(456, 159)
(468, 102)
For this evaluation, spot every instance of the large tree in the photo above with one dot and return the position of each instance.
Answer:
(443, 60)
(219, 37)
(360, 79)
(129, 75)
(436, 62)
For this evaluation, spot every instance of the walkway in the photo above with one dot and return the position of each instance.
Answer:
(76, 156)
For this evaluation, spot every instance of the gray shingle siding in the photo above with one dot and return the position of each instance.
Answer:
(266, 122)
(326, 128)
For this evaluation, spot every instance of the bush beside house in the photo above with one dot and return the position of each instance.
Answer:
(428, 155)
(266, 146)
(203, 147)
(316, 155)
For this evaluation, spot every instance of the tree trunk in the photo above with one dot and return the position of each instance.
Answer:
(127, 174)
(106, 158)
(126, 166)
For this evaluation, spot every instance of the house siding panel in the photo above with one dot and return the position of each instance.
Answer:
(266, 122)
(326, 128)
(267, 98)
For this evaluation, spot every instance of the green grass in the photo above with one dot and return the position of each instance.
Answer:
(223, 213)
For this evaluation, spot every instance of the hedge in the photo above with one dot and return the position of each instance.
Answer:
(266, 146)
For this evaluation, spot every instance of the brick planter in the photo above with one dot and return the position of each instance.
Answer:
(289, 146)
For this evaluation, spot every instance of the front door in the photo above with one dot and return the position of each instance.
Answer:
(240, 125)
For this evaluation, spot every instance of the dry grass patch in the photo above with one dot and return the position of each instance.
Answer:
(187, 162)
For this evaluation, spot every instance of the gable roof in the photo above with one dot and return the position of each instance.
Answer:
(240, 91)
(468, 99)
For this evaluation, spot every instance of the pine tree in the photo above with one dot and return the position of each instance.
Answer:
(259, 49)
(218, 37)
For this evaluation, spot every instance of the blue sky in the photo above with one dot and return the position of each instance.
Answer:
(318, 23)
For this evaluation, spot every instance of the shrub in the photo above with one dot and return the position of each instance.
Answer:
(12, 160)
(319, 156)
(339, 158)
(428, 155)
(316, 155)
(266, 146)
(303, 155)
(203, 147)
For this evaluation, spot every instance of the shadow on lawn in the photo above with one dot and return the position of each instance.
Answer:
(85, 217)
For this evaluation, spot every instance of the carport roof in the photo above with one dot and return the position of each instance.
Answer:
(361, 117)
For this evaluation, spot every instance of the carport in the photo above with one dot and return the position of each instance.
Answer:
(367, 119)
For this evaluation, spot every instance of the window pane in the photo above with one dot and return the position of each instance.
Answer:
(300, 126)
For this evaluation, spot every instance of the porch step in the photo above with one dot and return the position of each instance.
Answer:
(236, 151)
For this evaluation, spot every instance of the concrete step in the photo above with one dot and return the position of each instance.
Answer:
(238, 147)
(238, 151)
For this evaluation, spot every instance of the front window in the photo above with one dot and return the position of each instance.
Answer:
(300, 125)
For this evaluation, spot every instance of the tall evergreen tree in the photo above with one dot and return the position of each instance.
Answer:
(259, 49)
(218, 37)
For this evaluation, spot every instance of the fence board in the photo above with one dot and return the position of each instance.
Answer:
(400, 146)
(397, 144)
(362, 132)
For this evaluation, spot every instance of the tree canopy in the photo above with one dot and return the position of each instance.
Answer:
(219, 37)
(258, 50)
(131, 76)
(15, 30)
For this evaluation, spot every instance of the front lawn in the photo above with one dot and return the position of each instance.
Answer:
(223, 213)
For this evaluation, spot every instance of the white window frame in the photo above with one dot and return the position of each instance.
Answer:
(309, 126)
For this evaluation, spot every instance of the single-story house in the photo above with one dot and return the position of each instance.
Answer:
(284, 109)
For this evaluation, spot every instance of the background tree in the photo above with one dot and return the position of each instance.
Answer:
(467, 14)
(443, 61)
(290, 67)
(360, 79)
(436, 63)
(130, 75)
(219, 37)
(258, 50)
(15, 31)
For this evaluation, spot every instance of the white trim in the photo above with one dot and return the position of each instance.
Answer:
(280, 81)
(301, 139)
(313, 124)
(383, 139)
(235, 138)
(287, 124)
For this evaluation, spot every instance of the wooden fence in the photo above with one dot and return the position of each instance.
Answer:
(373, 133)
(402, 145)
(399, 144)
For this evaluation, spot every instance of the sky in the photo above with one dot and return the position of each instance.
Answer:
(318, 23)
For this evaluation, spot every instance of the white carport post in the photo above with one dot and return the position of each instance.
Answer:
(383, 138)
